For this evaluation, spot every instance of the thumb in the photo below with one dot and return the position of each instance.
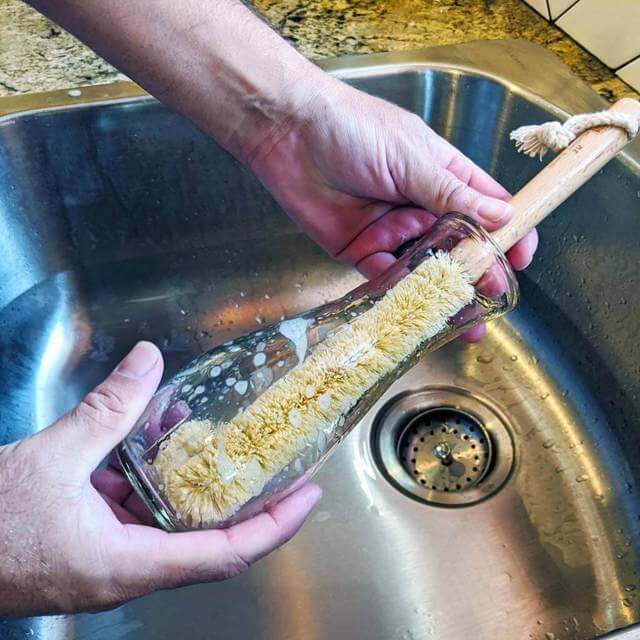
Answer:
(107, 414)
(440, 191)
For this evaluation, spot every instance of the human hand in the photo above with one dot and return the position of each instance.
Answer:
(71, 543)
(362, 176)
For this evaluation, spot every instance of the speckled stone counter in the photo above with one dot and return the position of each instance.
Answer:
(36, 55)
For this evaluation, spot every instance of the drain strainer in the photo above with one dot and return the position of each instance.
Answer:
(446, 450)
(443, 445)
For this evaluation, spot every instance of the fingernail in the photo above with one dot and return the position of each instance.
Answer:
(494, 210)
(139, 361)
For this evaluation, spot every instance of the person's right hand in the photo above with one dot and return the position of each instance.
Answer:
(361, 176)
(71, 545)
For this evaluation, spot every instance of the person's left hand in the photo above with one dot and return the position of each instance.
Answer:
(362, 176)
(71, 544)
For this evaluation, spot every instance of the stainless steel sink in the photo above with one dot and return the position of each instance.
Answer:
(120, 221)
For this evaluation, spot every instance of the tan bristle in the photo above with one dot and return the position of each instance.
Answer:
(209, 471)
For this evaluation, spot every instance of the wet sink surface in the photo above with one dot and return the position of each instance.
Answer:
(121, 221)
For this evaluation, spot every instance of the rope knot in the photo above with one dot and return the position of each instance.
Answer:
(535, 140)
(554, 136)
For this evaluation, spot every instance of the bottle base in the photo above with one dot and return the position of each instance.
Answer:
(142, 489)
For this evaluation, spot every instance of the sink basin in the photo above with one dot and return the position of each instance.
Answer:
(119, 221)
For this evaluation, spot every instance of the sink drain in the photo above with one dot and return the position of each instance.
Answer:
(446, 450)
(443, 445)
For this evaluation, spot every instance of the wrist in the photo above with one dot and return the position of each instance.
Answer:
(287, 101)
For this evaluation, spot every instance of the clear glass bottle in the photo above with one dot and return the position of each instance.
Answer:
(246, 423)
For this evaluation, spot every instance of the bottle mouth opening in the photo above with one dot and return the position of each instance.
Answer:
(444, 235)
(504, 289)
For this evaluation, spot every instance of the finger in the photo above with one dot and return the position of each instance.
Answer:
(440, 191)
(521, 254)
(111, 483)
(470, 173)
(388, 233)
(375, 264)
(120, 512)
(177, 559)
(134, 505)
(253, 539)
(107, 414)
(475, 334)
(493, 282)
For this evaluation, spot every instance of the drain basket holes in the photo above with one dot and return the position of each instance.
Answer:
(443, 446)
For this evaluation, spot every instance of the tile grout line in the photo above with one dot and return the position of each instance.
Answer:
(624, 64)
(564, 12)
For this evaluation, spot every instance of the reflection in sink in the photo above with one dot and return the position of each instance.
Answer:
(121, 222)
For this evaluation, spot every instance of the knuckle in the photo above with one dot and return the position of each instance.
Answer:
(101, 405)
(456, 195)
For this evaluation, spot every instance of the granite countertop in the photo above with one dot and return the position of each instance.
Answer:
(36, 55)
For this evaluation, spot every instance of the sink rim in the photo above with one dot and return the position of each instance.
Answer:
(513, 63)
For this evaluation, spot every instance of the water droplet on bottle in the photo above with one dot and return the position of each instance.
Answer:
(485, 359)
(514, 358)
(627, 602)
(547, 444)
(544, 396)
(582, 478)
(241, 387)
(630, 587)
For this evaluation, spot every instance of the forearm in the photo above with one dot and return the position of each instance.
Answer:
(212, 60)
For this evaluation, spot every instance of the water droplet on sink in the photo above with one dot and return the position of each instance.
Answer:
(485, 359)
(321, 516)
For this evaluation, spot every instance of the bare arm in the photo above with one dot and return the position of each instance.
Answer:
(214, 61)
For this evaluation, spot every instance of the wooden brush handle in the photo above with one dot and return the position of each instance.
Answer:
(551, 187)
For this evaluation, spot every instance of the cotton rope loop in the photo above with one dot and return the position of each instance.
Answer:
(536, 139)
